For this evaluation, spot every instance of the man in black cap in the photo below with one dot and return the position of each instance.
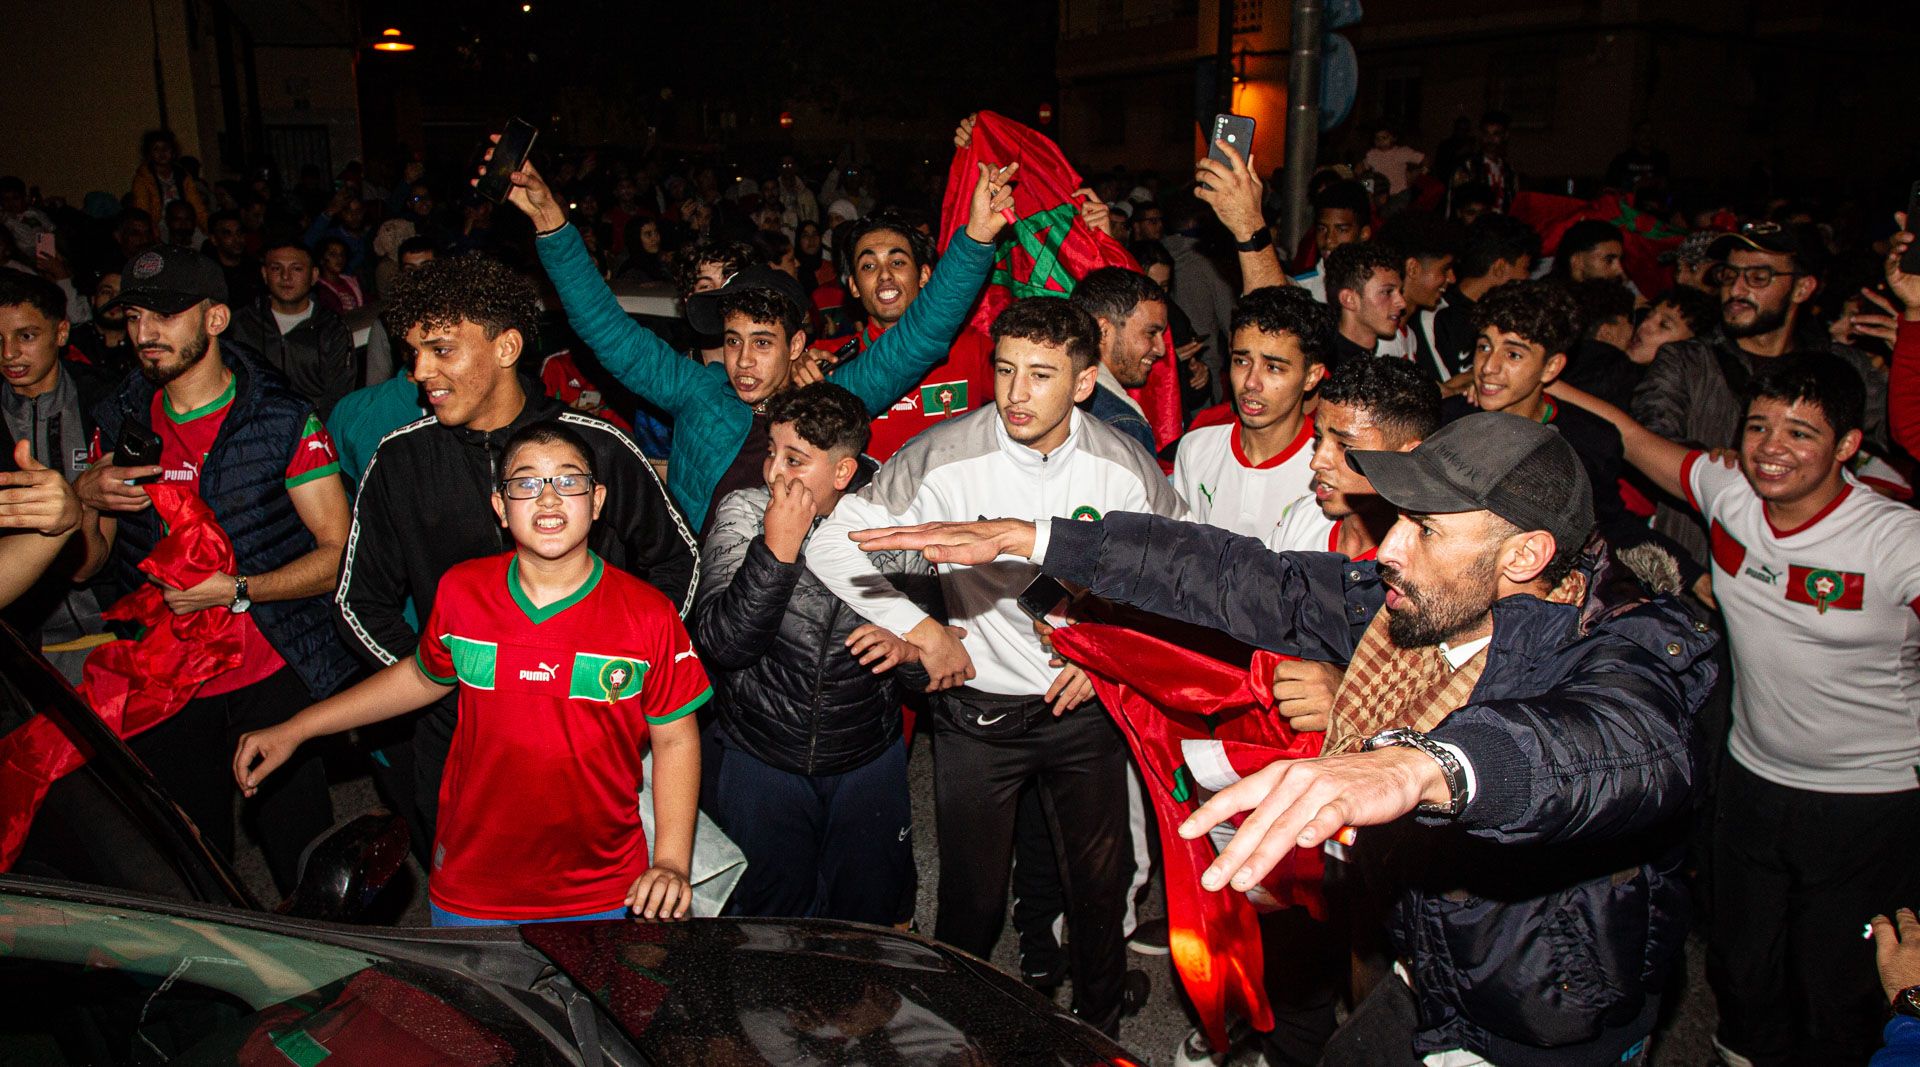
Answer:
(1532, 710)
(238, 436)
(1765, 275)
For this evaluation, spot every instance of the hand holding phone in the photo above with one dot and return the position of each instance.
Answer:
(509, 154)
(1237, 131)
(138, 447)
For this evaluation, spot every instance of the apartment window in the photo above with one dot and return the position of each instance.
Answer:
(1247, 15)
(1399, 104)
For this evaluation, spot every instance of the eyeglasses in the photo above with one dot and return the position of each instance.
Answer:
(564, 484)
(1756, 277)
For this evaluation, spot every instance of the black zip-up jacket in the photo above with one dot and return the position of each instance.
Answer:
(424, 505)
(316, 358)
(1543, 921)
(775, 641)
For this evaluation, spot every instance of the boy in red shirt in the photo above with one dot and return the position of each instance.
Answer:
(567, 671)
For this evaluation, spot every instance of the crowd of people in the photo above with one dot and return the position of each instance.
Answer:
(1600, 599)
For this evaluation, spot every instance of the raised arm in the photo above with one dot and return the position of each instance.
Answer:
(1662, 461)
(632, 353)
(1233, 189)
(921, 340)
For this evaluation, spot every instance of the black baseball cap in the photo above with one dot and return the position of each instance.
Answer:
(1515, 467)
(1799, 240)
(170, 279)
(703, 309)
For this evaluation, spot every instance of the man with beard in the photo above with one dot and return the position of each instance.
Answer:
(102, 340)
(242, 440)
(1767, 273)
(227, 243)
(1131, 309)
(1505, 659)
(1241, 474)
(1363, 283)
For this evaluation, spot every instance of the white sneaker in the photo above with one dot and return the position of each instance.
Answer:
(1197, 1051)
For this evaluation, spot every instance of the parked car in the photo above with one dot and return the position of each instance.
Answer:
(126, 939)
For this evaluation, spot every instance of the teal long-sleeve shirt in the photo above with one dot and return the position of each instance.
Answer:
(710, 421)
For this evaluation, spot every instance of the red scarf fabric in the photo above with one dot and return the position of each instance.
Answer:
(1043, 253)
(1164, 697)
(132, 685)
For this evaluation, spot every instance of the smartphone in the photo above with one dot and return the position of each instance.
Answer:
(45, 245)
(1237, 131)
(1910, 263)
(1041, 597)
(138, 447)
(516, 141)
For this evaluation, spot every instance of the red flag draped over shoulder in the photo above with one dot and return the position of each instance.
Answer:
(132, 685)
(1045, 251)
(1642, 237)
(1195, 721)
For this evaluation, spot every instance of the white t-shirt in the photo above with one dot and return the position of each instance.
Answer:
(1824, 626)
(1223, 488)
(1393, 163)
(288, 322)
(1303, 527)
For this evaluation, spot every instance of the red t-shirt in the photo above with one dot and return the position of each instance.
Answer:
(539, 813)
(185, 440)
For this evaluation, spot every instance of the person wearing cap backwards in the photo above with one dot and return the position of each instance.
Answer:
(720, 432)
(1764, 275)
(1531, 709)
(423, 504)
(236, 434)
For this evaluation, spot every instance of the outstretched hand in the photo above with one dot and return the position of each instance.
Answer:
(953, 542)
(529, 193)
(1302, 803)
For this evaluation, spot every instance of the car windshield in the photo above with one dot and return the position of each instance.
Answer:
(83, 983)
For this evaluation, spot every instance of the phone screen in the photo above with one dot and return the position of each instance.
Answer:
(516, 141)
(1041, 597)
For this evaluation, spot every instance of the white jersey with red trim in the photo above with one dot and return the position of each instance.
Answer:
(1824, 625)
(1303, 527)
(1213, 475)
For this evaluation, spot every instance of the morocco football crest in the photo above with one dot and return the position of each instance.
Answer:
(1839, 590)
(943, 398)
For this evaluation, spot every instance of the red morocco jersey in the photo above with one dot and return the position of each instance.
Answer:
(539, 805)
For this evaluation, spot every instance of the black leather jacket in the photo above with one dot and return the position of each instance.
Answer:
(774, 641)
(1541, 923)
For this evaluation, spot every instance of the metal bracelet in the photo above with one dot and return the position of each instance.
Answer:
(1450, 767)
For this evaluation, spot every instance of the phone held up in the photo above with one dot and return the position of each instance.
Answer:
(1237, 131)
(516, 142)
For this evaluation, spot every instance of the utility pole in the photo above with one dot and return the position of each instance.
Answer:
(1222, 65)
(1303, 113)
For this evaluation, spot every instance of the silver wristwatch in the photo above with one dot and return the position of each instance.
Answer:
(240, 602)
(1907, 1002)
(1456, 775)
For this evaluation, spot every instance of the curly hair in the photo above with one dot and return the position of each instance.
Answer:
(1054, 323)
(732, 256)
(1350, 267)
(1542, 312)
(1402, 401)
(1290, 309)
(825, 415)
(470, 288)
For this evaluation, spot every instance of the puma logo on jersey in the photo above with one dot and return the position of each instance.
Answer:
(546, 673)
(317, 445)
(688, 654)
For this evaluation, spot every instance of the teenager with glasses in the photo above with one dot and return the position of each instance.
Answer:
(422, 505)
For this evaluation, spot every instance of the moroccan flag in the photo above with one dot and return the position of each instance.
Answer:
(1044, 252)
(132, 685)
(1171, 702)
(1824, 589)
(1642, 237)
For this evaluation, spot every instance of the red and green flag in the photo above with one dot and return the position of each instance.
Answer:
(1044, 253)
(1642, 236)
(1826, 589)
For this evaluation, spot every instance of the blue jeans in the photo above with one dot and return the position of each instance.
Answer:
(443, 917)
(832, 846)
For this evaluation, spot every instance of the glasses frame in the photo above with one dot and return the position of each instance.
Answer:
(550, 480)
(1719, 270)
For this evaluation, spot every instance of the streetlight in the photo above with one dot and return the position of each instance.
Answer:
(390, 41)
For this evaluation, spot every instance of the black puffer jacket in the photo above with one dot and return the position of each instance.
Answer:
(774, 640)
(1542, 922)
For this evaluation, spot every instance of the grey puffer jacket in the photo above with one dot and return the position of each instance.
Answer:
(774, 641)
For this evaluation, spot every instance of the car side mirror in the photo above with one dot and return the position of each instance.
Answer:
(345, 870)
